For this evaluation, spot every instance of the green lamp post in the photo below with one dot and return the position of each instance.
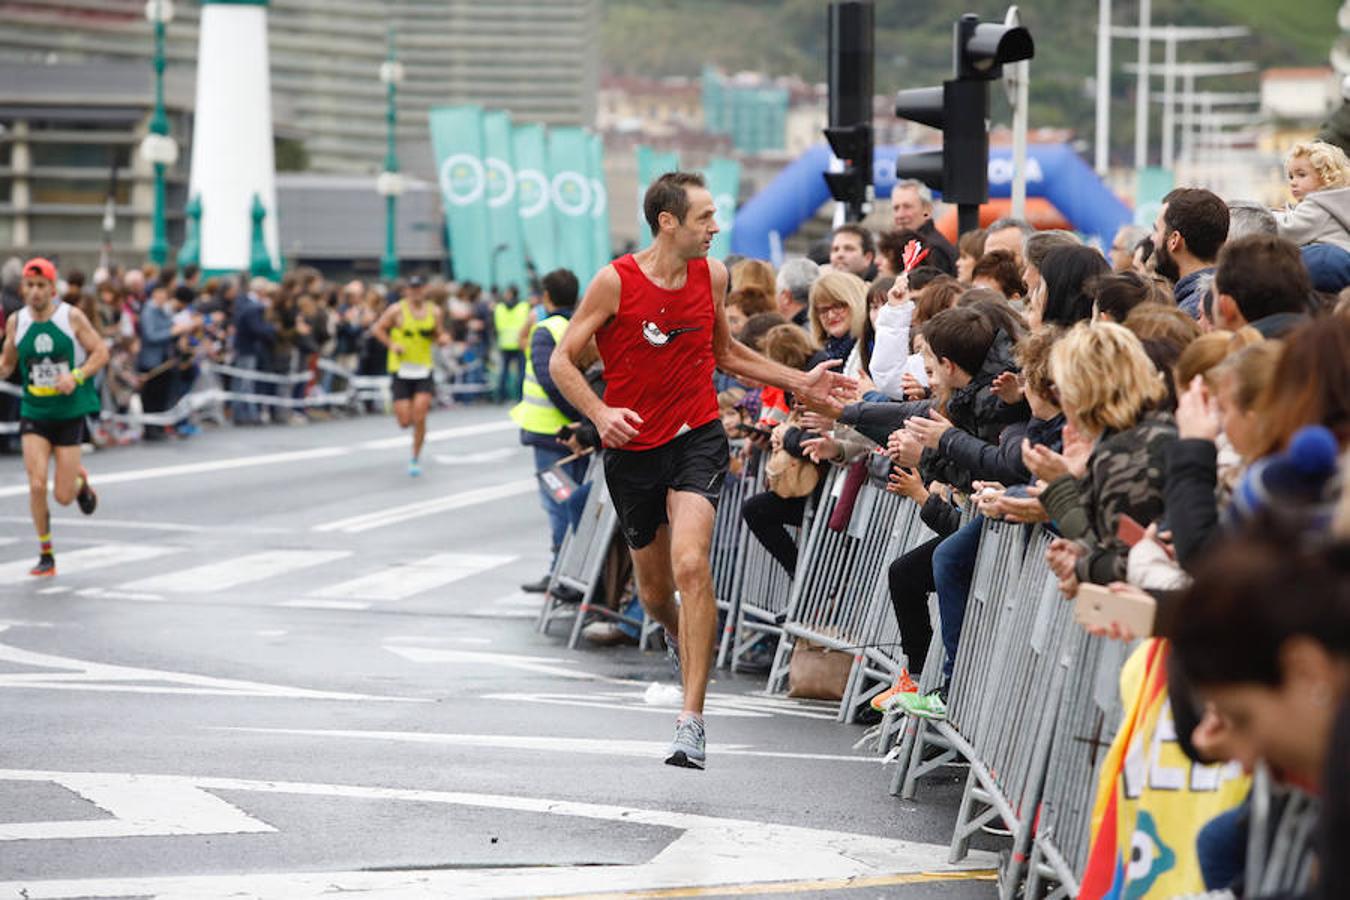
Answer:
(158, 147)
(389, 184)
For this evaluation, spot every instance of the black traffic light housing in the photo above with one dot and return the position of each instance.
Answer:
(850, 130)
(960, 109)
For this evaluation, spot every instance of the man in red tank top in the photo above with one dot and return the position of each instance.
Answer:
(659, 322)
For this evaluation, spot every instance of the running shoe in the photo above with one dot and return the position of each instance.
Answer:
(903, 685)
(414, 469)
(45, 568)
(925, 706)
(86, 498)
(687, 750)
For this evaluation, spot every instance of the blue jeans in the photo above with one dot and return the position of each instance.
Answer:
(1221, 847)
(558, 517)
(245, 412)
(953, 570)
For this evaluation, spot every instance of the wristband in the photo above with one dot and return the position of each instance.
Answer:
(78, 375)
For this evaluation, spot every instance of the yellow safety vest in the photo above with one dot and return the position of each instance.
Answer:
(509, 320)
(535, 412)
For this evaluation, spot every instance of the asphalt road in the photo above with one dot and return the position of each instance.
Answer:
(274, 665)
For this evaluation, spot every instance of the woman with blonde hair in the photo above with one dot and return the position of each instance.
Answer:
(1114, 448)
(838, 317)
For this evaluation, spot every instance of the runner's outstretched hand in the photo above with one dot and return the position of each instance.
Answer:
(617, 426)
(826, 391)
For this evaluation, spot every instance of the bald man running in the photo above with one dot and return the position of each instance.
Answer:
(659, 321)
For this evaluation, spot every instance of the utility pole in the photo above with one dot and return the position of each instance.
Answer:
(389, 184)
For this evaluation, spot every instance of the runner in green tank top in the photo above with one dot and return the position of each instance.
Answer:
(409, 328)
(57, 352)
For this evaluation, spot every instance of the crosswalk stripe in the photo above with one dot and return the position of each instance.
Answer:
(230, 573)
(398, 582)
(99, 556)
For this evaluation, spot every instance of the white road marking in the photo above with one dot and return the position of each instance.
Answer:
(444, 434)
(473, 459)
(711, 851)
(447, 639)
(55, 590)
(82, 675)
(398, 514)
(272, 632)
(403, 580)
(541, 665)
(213, 578)
(140, 806)
(60, 524)
(200, 468)
(6, 541)
(109, 594)
(86, 559)
(353, 606)
(548, 744)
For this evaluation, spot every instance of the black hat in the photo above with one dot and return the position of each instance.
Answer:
(417, 281)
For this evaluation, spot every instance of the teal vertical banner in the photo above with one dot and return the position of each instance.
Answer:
(602, 243)
(507, 255)
(1153, 183)
(533, 197)
(724, 183)
(651, 165)
(569, 167)
(457, 141)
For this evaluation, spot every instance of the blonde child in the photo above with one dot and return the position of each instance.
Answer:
(1319, 180)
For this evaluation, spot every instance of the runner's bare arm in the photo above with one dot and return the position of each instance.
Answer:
(9, 357)
(95, 349)
(601, 303)
(380, 330)
(733, 357)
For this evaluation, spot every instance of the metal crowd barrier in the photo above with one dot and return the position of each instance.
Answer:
(878, 661)
(839, 574)
(759, 587)
(729, 534)
(581, 560)
(209, 393)
(1088, 718)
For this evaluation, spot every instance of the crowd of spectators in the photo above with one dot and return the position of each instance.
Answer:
(1177, 413)
(164, 327)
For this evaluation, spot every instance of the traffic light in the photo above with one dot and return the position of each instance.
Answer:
(850, 130)
(960, 109)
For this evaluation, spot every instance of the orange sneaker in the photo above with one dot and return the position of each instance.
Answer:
(903, 685)
(45, 568)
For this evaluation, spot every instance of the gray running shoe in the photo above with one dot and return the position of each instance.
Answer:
(687, 750)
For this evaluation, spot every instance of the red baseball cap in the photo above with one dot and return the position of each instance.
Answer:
(40, 267)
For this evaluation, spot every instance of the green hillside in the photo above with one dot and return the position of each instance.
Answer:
(677, 37)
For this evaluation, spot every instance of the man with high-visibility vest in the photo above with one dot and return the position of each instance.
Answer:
(543, 411)
(509, 318)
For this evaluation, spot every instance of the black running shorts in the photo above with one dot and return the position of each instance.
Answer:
(405, 388)
(639, 480)
(57, 432)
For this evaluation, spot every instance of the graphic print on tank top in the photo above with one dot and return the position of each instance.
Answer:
(658, 353)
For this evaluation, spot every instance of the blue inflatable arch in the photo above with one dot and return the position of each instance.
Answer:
(1054, 172)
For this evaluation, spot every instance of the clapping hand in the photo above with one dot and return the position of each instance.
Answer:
(928, 431)
(903, 449)
(1008, 388)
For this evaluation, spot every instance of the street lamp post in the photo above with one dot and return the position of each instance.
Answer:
(159, 148)
(390, 183)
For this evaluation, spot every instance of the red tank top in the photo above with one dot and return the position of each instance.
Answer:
(658, 353)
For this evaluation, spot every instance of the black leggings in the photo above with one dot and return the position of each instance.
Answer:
(911, 581)
(768, 516)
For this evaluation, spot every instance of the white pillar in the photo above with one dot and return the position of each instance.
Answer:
(1169, 125)
(1188, 118)
(1020, 122)
(1103, 140)
(1142, 93)
(232, 134)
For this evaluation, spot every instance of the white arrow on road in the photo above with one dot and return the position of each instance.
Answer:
(710, 852)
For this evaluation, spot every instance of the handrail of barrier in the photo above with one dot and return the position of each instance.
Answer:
(207, 392)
